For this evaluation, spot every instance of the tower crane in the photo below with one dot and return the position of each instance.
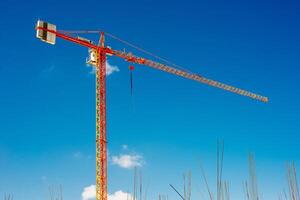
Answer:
(97, 58)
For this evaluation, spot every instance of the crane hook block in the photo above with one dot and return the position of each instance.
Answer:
(131, 68)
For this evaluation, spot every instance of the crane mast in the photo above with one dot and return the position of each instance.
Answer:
(47, 33)
(101, 142)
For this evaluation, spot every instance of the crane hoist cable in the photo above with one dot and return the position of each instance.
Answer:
(146, 52)
(126, 43)
(131, 68)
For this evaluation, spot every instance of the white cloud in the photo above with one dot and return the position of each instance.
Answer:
(127, 161)
(49, 69)
(109, 69)
(77, 154)
(120, 195)
(89, 193)
(46, 72)
(124, 146)
(44, 178)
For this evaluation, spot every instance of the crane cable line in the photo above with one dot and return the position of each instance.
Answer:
(128, 44)
(178, 70)
(146, 52)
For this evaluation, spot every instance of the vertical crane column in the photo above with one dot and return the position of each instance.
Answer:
(101, 150)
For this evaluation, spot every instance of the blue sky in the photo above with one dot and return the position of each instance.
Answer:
(47, 95)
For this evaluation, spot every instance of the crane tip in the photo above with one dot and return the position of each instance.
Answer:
(265, 99)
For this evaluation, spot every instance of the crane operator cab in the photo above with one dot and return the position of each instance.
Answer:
(92, 59)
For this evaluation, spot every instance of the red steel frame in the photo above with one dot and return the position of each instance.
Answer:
(101, 142)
